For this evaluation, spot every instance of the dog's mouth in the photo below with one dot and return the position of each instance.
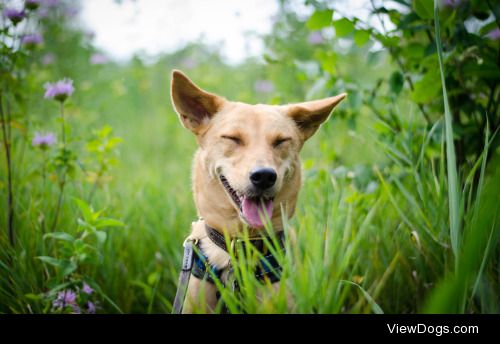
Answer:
(253, 209)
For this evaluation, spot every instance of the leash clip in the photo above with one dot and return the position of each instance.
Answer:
(194, 241)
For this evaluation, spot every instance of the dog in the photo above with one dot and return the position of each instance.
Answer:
(246, 169)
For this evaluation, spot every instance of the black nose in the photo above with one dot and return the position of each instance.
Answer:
(263, 177)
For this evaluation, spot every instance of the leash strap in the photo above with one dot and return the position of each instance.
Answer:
(187, 265)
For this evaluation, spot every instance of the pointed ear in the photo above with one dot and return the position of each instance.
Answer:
(194, 106)
(309, 115)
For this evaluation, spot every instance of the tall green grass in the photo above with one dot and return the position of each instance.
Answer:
(451, 163)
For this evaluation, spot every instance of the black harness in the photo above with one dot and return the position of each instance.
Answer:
(196, 262)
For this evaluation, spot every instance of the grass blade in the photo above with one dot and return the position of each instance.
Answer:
(453, 183)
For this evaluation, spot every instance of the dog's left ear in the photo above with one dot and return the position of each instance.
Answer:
(309, 115)
(194, 105)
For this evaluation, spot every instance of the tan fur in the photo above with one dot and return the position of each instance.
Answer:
(216, 122)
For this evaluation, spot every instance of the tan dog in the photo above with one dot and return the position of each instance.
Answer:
(247, 166)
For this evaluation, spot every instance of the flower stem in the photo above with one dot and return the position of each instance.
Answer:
(44, 186)
(94, 186)
(7, 147)
(62, 182)
(63, 131)
(59, 200)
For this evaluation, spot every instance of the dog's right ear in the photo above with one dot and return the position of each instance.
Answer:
(195, 106)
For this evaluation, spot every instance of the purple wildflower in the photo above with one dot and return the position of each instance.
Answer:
(315, 38)
(32, 40)
(98, 59)
(59, 90)
(47, 7)
(453, 3)
(91, 307)
(189, 63)
(264, 86)
(65, 298)
(43, 12)
(51, 3)
(76, 309)
(494, 34)
(69, 297)
(87, 289)
(89, 34)
(32, 4)
(14, 15)
(43, 141)
(71, 12)
(48, 59)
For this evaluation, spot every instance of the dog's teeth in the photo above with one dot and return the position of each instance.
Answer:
(232, 192)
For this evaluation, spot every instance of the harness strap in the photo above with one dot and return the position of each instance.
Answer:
(218, 239)
(202, 269)
(197, 264)
(268, 267)
(187, 265)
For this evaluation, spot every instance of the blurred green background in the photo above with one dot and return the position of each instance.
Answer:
(382, 224)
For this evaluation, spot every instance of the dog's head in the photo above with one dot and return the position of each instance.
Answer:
(248, 153)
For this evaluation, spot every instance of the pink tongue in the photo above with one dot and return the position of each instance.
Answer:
(254, 210)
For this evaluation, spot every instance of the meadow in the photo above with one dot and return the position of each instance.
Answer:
(398, 212)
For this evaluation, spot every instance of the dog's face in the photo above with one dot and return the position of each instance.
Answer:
(249, 154)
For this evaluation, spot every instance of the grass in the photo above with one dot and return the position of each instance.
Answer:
(451, 163)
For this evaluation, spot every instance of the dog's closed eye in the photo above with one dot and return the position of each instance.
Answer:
(234, 139)
(280, 141)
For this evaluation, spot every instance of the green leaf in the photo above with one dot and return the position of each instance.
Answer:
(395, 17)
(486, 70)
(86, 209)
(82, 257)
(396, 82)
(414, 51)
(95, 215)
(113, 142)
(153, 278)
(355, 98)
(374, 305)
(361, 37)
(68, 267)
(488, 27)
(79, 245)
(59, 236)
(343, 27)
(424, 8)
(104, 131)
(427, 88)
(93, 146)
(33, 297)
(107, 222)
(101, 236)
(319, 20)
(51, 261)
(269, 58)
(388, 41)
(85, 224)
(328, 60)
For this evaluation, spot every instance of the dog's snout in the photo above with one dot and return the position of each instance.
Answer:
(263, 177)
